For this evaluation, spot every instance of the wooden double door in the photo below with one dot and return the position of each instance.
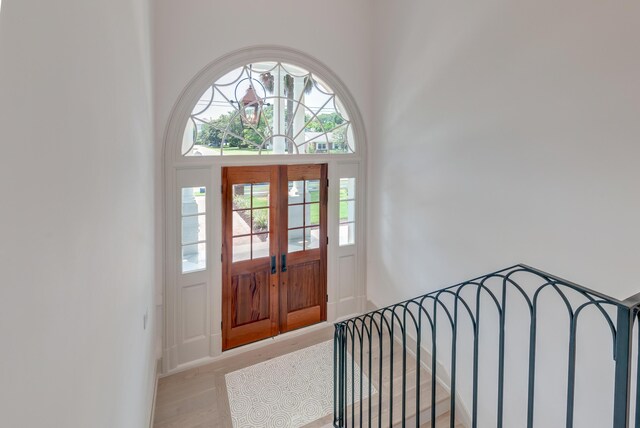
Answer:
(274, 250)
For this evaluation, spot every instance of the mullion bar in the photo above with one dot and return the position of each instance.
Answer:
(196, 215)
(304, 239)
(193, 243)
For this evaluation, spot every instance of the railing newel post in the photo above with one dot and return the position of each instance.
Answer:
(339, 385)
(622, 388)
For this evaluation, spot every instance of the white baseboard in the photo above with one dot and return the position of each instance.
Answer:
(156, 376)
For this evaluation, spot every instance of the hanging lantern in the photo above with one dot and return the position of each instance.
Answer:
(251, 106)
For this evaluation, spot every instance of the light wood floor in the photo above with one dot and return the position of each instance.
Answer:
(197, 398)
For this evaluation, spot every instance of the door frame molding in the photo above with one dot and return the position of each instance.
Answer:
(171, 310)
(170, 314)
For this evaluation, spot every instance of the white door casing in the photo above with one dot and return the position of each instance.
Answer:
(191, 303)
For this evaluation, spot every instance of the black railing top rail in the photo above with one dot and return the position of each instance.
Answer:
(630, 303)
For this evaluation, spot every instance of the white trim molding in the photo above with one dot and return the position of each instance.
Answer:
(191, 303)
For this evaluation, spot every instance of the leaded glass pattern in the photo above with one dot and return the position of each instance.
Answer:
(268, 108)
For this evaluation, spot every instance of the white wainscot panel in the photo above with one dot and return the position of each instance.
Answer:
(194, 341)
(347, 284)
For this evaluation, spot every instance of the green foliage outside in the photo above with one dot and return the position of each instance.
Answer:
(261, 216)
(323, 122)
(246, 140)
(212, 134)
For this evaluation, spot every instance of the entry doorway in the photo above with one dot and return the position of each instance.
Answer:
(274, 255)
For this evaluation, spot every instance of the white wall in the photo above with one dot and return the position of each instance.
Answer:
(520, 122)
(76, 224)
(505, 132)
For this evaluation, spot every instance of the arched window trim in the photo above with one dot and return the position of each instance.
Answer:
(217, 68)
(181, 349)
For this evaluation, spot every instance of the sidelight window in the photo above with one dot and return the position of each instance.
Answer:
(194, 229)
(347, 211)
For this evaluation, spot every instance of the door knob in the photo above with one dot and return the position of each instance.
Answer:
(273, 265)
(284, 263)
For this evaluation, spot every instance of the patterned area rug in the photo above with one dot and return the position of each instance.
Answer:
(288, 391)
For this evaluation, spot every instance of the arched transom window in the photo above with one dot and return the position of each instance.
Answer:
(268, 108)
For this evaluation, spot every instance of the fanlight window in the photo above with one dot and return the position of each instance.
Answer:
(268, 108)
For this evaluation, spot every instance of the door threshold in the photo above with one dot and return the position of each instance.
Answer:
(249, 347)
(274, 339)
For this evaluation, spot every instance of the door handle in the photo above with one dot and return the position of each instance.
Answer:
(273, 265)
(284, 263)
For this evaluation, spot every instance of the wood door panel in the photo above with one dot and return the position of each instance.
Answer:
(249, 297)
(303, 287)
(250, 266)
(304, 317)
(249, 333)
(260, 298)
(250, 289)
(304, 172)
(303, 256)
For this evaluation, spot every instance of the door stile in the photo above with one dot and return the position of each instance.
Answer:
(251, 331)
(302, 266)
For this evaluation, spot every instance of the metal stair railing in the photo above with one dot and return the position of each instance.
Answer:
(413, 325)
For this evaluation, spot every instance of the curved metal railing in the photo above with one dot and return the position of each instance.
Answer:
(365, 348)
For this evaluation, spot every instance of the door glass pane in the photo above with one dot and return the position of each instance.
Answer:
(241, 248)
(347, 233)
(260, 195)
(296, 216)
(194, 229)
(312, 191)
(241, 222)
(194, 257)
(347, 188)
(312, 214)
(241, 194)
(193, 200)
(260, 245)
(260, 220)
(296, 241)
(296, 192)
(311, 237)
